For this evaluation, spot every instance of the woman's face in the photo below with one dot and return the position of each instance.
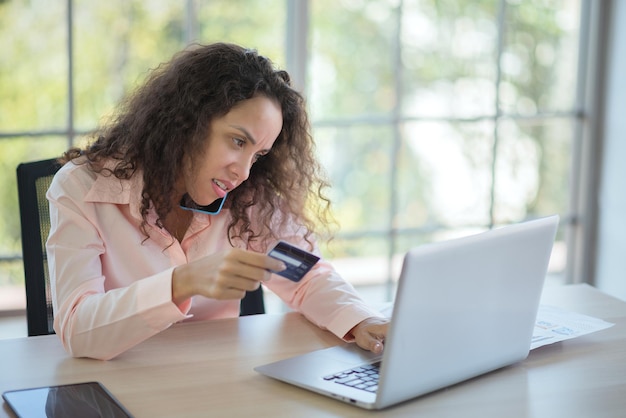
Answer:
(235, 141)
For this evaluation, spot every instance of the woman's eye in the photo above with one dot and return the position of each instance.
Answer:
(259, 156)
(239, 142)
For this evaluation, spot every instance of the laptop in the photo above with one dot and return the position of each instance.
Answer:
(463, 307)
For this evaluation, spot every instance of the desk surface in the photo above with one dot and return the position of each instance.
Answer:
(206, 369)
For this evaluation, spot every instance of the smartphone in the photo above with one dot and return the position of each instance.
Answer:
(87, 399)
(187, 203)
(298, 261)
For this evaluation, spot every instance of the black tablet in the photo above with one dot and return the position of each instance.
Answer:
(88, 399)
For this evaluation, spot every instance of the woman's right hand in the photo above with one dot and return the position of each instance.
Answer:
(224, 275)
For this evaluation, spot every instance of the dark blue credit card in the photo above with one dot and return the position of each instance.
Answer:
(298, 261)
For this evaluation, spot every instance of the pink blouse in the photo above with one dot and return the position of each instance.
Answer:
(112, 287)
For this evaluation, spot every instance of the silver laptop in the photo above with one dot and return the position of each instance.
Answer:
(463, 307)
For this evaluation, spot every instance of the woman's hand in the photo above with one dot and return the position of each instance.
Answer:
(370, 334)
(224, 275)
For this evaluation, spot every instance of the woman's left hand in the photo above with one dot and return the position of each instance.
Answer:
(370, 334)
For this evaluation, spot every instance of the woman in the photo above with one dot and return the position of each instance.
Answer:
(168, 214)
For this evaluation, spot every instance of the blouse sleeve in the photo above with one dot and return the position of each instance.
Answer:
(90, 321)
(323, 296)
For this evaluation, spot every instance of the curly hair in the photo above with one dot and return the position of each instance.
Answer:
(168, 118)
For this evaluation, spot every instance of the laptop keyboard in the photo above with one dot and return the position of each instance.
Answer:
(362, 377)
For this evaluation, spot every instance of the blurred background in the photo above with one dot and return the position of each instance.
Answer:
(434, 119)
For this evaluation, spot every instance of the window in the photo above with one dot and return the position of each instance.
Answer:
(438, 119)
(433, 118)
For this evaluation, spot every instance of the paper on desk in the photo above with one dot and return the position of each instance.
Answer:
(555, 324)
(552, 325)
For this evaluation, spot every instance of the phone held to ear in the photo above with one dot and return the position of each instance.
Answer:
(214, 208)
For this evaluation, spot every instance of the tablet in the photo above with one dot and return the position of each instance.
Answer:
(88, 399)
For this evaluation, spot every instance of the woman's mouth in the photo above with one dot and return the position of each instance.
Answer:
(219, 188)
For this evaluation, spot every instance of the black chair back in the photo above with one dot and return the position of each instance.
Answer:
(33, 180)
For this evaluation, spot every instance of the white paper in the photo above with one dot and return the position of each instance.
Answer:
(555, 324)
(552, 325)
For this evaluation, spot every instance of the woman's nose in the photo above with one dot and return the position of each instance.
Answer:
(241, 168)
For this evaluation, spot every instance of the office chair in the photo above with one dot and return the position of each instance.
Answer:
(253, 303)
(33, 180)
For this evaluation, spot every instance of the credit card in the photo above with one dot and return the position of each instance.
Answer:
(298, 261)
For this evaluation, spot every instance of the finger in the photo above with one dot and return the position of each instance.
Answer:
(372, 343)
(378, 331)
(230, 293)
(253, 273)
(376, 346)
(263, 261)
(246, 285)
(370, 335)
(273, 264)
(237, 290)
(237, 282)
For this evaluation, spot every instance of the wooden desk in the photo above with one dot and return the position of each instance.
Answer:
(206, 369)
